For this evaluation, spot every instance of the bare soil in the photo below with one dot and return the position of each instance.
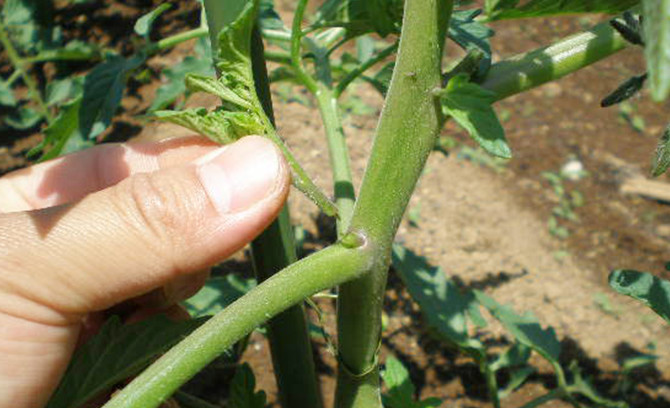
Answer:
(487, 226)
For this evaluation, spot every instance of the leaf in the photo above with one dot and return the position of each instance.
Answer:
(516, 355)
(442, 305)
(471, 34)
(62, 90)
(398, 383)
(516, 379)
(218, 293)
(103, 90)
(6, 95)
(661, 160)
(470, 106)
(117, 352)
(62, 129)
(382, 78)
(626, 90)
(19, 18)
(73, 51)
(241, 113)
(400, 388)
(174, 84)
(268, 18)
(508, 9)
(23, 118)
(525, 328)
(242, 390)
(219, 125)
(656, 29)
(144, 23)
(362, 16)
(645, 287)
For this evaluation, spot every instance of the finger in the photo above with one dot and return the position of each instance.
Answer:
(71, 177)
(143, 232)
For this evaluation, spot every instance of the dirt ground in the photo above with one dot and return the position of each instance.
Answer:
(486, 224)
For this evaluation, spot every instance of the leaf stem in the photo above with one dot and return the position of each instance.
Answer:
(351, 76)
(534, 68)
(20, 66)
(296, 52)
(322, 270)
(179, 38)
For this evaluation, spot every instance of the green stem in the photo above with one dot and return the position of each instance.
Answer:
(345, 196)
(179, 38)
(296, 52)
(351, 76)
(543, 399)
(272, 251)
(404, 139)
(20, 66)
(490, 378)
(322, 270)
(549, 63)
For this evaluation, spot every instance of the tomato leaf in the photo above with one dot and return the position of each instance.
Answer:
(509, 9)
(362, 16)
(242, 390)
(218, 293)
(471, 34)
(645, 287)
(656, 23)
(103, 90)
(117, 352)
(23, 118)
(662, 156)
(470, 106)
(6, 95)
(144, 23)
(525, 328)
(400, 388)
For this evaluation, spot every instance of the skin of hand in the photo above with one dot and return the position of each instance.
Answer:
(108, 226)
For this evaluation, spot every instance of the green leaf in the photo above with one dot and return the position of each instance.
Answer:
(211, 85)
(382, 79)
(398, 383)
(174, 84)
(6, 95)
(516, 355)
(525, 328)
(268, 18)
(400, 387)
(62, 129)
(442, 305)
(117, 352)
(144, 23)
(103, 90)
(219, 125)
(362, 16)
(23, 118)
(656, 28)
(645, 287)
(661, 160)
(470, 106)
(516, 379)
(73, 51)
(242, 390)
(471, 34)
(508, 9)
(218, 293)
(62, 90)
(19, 18)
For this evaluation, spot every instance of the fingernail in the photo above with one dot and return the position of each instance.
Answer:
(239, 175)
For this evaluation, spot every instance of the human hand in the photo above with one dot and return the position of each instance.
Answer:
(82, 233)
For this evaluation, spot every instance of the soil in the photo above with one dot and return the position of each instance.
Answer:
(484, 224)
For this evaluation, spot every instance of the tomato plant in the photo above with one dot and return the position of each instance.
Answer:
(235, 40)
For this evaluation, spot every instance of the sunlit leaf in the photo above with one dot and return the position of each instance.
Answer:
(645, 287)
(62, 90)
(656, 23)
(243, 390)
(144, 23)
(400, 388)
(6, 95)
(218, 293)
(469, 33)
(117, 352)
(470, 106)
(525, 328)
(23, 118)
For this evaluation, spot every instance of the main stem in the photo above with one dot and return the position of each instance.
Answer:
(409, 124)
(271, 252)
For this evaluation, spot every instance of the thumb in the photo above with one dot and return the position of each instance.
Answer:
(121, 242)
